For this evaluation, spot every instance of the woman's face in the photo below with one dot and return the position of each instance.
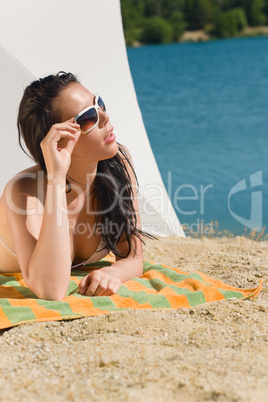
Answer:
(93, 146)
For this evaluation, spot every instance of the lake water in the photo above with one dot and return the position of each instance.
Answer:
(204, 106)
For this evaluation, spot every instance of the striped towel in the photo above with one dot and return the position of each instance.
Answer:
(160, 287)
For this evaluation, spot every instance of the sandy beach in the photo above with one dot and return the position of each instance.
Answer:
(214, 352)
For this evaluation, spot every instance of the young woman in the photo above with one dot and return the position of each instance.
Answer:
(78, 202)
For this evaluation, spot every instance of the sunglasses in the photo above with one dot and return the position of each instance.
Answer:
(88, 118)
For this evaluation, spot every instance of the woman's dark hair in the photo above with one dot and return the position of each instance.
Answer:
(38, 111)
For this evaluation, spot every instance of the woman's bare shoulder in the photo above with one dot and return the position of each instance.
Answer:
(27, 178)
(27, 182)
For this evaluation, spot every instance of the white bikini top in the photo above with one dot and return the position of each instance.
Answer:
(6, 246)
(98, 255)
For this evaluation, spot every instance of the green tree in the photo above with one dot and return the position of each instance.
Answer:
(170, 7)
(265, 11)
(198, 13)
(254, 9)
(178, 25)
(132, 16)
(239, 18)
(152, 8)
(157, 30)
(224, 26)
(223, 17)
(203, 13)
(132, 13)
(229, 23)
(189, 9)
(256, 13)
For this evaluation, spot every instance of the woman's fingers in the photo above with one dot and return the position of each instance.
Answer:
(65, 126)
(61, 128)
(112, 287)
(61, 137)
(92, 282)
(84, 283)
(59, 131)
(99, 283)
(58, 135)
(59, 141)
(71, 144)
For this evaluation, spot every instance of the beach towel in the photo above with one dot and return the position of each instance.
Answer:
(160, 287)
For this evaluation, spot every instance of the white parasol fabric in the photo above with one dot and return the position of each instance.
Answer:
(40, 37)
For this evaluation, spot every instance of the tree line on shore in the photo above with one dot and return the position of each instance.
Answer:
(164, 21)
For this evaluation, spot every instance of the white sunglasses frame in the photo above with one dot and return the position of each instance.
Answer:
(96, 107)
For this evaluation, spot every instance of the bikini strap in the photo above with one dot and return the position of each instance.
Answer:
(7, 246)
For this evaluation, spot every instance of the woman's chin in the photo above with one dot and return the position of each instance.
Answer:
(112, 151)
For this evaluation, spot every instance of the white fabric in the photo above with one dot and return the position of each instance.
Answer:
(85, 37)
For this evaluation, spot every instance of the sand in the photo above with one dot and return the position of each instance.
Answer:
(214, 352)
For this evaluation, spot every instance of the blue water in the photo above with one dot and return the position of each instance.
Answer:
(204, 106)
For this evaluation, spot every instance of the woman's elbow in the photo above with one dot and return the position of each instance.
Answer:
(51, 296)
(45, 293)
(47, 289)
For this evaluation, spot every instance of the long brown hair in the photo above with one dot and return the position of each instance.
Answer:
(37, 113)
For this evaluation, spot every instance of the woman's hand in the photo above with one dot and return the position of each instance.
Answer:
(58, 145)
(99, 283)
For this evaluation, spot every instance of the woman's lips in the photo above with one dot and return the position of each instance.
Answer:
(110, 137)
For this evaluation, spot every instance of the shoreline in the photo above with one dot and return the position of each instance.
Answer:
(202, 36)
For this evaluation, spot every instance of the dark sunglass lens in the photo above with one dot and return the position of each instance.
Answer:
(87, 119)
(101, 104)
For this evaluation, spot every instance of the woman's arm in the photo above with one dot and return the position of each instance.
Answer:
(128, 267)
(45, 258)
(44, 262)
(49, 267)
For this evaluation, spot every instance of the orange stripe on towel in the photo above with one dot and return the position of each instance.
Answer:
(211, 294)
(176, 270)
(84, 306)
(75, 279)
(37, 309)
(128, 302)
(174, 299)
(9, 292)
(157, 275)
(4, 321)
(252, 292)
(139, 287)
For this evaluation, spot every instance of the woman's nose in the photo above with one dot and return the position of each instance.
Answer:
(104, 117)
